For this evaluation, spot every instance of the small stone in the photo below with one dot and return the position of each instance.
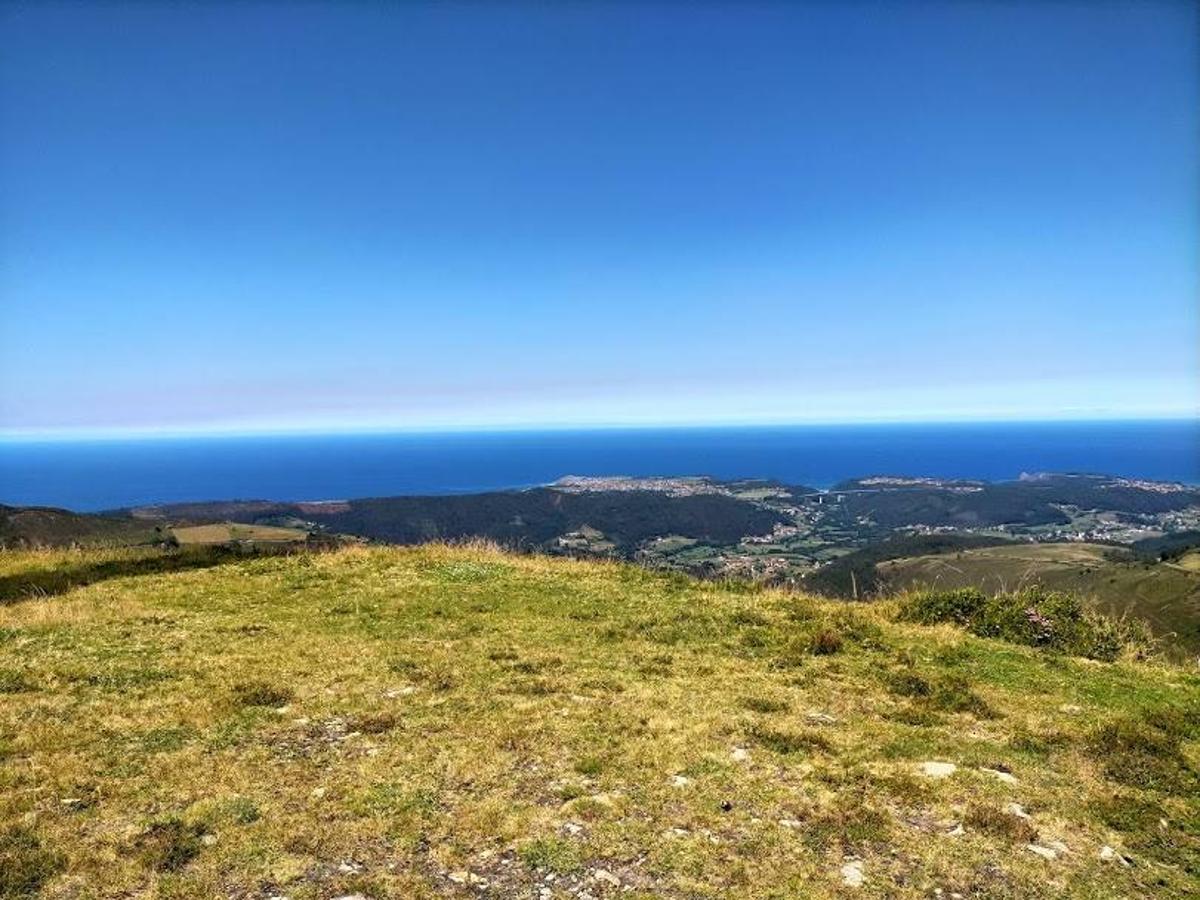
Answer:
(739, 754)
(680, 781)
(1071, 709)
(1044, 852)
(1107, 853)
(852, 873)
(208, 840)
(677, 832)
(1006, 777)
(459, 877)
(820, 718)
(934, 769)
(1016, 809)
(790, 823)
(317, 793)
(606, 877)
(957, 831)
(1058, 846)
(573, 828)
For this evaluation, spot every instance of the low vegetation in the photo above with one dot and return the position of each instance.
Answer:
(1033, 616)
(457, 721)
(1111, 580)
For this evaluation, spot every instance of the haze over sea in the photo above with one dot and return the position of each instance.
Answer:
(94, 475)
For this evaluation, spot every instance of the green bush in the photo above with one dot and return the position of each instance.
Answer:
(1032, 616)
(1146, 752)
(25, 865)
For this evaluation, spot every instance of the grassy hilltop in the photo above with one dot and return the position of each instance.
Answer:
(439, 721)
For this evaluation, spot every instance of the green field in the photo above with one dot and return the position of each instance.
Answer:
(1166, 595)
(226, 532)
(434, 722)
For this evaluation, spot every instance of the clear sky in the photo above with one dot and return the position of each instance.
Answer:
(249, 217)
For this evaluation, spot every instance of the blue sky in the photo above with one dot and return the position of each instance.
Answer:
(258, 217)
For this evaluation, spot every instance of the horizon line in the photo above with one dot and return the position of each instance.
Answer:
(85, 435)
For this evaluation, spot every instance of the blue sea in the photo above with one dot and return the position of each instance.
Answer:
(109, 474)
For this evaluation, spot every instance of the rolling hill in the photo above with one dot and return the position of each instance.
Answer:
(443, 722)
(1164, 594)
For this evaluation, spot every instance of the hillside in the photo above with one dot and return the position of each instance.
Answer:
(1165, 594)
(461, 722)
(43, 526)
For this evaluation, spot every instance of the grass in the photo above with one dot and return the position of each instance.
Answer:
(437, 721)
(1166, 595)
(232, 531)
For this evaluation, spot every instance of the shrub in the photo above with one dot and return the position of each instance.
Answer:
(787, 742)
(260, 693)
(553, 854)
(853, 824)
(944, 693)
(25, 865)
(14, 681)
(998, 824)
(825, 642)
(374, 723)
(170, 845)
(931, 607)
(1033, 616)
(1145, 752)
(1147, 828)
(764, 705)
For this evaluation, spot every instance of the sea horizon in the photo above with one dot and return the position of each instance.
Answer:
(111, 473)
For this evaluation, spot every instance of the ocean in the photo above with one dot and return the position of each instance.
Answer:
(96, 475)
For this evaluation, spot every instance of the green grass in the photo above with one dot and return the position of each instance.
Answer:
(1165, 595)
(439, 721)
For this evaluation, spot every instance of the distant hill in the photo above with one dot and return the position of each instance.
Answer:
(43, 526)
(531, 519)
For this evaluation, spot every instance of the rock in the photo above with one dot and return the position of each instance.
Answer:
(1016, 809)
(933, 769)
(1108, 854)
(680, 781)
(1006, 777)
(739, 754)
(791, 823)
(606, 877)
(1070, 709)
(208, 840)
(1058, 846)
(1044, 852)
(957, 831)
(676, 832)
(852, 873)
(317, 793)
(820, 718)
(459, 877)
(573, 828)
